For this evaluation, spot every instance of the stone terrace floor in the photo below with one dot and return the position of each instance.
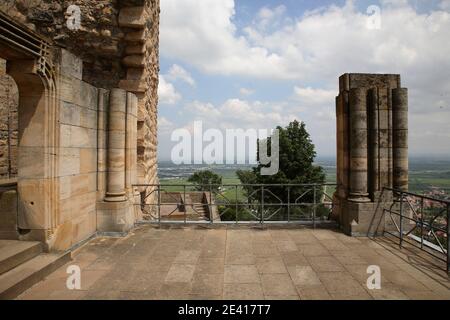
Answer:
(244, 263)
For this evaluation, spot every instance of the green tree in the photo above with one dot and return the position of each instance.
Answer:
(296, 166)
(206, 179)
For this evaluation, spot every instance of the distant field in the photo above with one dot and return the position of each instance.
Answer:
(424, 174)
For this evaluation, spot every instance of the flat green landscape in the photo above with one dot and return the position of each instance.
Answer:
(424, 175)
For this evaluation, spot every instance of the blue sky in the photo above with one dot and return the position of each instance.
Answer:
(262, 63)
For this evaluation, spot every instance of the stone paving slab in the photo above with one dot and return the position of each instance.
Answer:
(245, 264)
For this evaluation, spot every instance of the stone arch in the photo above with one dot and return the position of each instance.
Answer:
(29, 63)
(9, 102)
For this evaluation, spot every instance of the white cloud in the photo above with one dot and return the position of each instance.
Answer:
(167, 93)
(165, 125)
(246, 92)
(445, 5)
(320, 45)
(236, 113)
(202, 33)
(316, 48)
(268, 17)
(177, 72)
(310, 96)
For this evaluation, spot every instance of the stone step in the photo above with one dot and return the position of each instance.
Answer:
(14, 253)
(19, 279)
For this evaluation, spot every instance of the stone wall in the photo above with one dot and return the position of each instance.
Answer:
(78, 118)
(8, 124)
(97, 42)
(119, 44)
(89, 124)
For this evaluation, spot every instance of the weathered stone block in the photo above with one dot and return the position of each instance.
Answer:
(79, 185)
(70, 114)
(83, 137)
(69, 161)
(134, 61)
(135, 49)
(71, 65)
(136, 36)
(89, 118)
(115, 216)
(30, 162)
(133, 85)
(133, 17)
(8, 211)
(88, 160)
(64, 187)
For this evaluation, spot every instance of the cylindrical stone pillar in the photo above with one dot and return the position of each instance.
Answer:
(374, 160)
(116, 146)
(358, 145)
(400, 137)
(131, 141)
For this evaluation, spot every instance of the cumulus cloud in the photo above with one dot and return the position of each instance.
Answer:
(237, 113)
(311, 96)
(203, 34)
(445, 5)
(167, 93)
(319, 44)
(269, 17)
(165, 125)
(177, 72)
(316, 48)
(246, 92)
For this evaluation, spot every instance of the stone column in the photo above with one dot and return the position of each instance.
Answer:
(131, 142)
(358, 145)
(400, 137)
(374, 160)
(116, 146)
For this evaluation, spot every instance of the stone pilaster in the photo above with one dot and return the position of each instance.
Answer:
(116, 146)
(400, 137)
(358, 145)
(117, 212)
(140, 24)
(373, 140)
(130, 144)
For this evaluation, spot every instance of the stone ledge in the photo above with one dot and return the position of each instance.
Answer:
(135, 61)
(133, 17)
(132, 85)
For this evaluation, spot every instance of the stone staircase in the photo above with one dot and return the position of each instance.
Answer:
(200, 211)
(23, 264)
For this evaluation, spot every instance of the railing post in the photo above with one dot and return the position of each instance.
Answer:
(236, 205)
(211, 217)
(289, 204)
(448, 237)
(421, 223)
(401, 219)
(314, 207)
(185, 205)
(159, 204)
(262, 204)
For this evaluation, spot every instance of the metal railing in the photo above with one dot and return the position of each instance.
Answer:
(420, 221)
(238, 203)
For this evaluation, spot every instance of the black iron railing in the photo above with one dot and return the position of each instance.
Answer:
(421, 221)
(238, 203)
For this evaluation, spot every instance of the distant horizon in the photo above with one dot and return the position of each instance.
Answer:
(438, 157)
